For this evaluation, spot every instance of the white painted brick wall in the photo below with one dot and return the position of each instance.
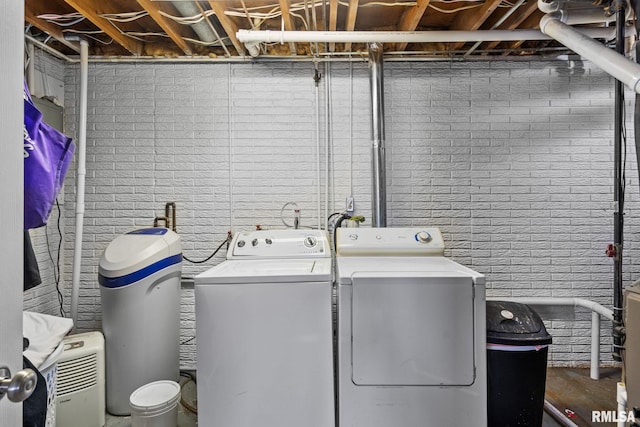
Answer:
(513, 160)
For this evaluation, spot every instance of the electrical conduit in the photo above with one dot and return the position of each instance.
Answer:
(80, 174)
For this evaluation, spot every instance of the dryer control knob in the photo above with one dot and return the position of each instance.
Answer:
(423, 237)
(240, 243)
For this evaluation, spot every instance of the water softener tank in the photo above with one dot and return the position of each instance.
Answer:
(140, 290)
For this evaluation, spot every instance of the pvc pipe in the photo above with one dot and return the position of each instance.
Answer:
(81, 173)
(597, 310)
(626, 71)
(621, 398)
(49, 49)
(251, 36)
(31, 67)
(595, 346)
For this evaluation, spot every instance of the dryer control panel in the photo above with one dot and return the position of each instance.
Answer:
(411, 241)
(279, 244)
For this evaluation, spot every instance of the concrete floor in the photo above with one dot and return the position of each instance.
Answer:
(570, 390)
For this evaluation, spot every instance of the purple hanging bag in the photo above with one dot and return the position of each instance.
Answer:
(47, 156)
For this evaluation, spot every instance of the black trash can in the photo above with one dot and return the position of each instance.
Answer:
(517, 347)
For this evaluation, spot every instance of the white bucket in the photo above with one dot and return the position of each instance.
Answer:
(155, 405)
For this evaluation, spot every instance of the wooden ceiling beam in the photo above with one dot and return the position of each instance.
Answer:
(352, 14)
(53, 30)
(229, 27)
(517, 18)
(410, 20)
(333, 20)
(174, 30)
(472, 19)
(532, 22)
(285, 8)
(92, 9)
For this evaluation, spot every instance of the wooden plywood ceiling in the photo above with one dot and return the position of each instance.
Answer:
(197, 29)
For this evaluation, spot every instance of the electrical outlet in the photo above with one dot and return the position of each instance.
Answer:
(350, 205)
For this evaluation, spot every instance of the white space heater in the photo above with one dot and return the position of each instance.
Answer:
(80, 395)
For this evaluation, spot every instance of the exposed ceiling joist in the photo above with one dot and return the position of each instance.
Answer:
(51, 29)
(174, 30)
(472, 19)
(229, 27)
(411, 19)
(333, 20)
(91, 9)
(285, 7)
(515, 20)
(352, 14)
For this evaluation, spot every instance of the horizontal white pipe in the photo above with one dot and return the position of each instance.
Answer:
(267, 36)
(562, 301)
(49, 49)
(626, 71)
(597, 310)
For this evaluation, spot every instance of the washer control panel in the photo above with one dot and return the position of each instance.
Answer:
(279, 244)
(420, 241)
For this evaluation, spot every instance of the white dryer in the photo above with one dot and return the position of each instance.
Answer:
(264, 333)
(411, 332)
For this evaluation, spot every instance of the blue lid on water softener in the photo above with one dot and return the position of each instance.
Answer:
(138, 254)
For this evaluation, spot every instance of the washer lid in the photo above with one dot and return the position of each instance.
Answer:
(267, 271)
(138, 249)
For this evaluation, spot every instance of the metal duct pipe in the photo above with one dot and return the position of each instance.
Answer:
(187, 8)
(628, 72)
(378, 194)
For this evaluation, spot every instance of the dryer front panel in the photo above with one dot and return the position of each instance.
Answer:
(412, 329)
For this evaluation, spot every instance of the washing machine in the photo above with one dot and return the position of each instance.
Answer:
(264, 333)
(411, 332)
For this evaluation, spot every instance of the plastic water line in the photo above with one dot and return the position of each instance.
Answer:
(80, 175)
(597, 310)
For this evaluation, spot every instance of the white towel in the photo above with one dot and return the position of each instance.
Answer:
(44, 333)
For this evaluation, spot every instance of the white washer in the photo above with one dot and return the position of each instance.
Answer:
(264, 333)
(411, 332)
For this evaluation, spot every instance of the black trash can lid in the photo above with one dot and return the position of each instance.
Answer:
(516, 324)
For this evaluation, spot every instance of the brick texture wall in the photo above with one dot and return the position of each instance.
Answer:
(512, 160)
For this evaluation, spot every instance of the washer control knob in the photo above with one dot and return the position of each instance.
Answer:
(310, 241)
(241, 243)
(268, 241)
(423, 237)
(254, 242)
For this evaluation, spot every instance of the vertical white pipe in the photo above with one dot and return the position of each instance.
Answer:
(595, 346)
(621, 398)
(31, 67)
(81, 173)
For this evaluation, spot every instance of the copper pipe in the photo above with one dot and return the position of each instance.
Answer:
(170, 207)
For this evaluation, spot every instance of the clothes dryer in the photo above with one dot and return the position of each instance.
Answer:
(411, 332)
(264, 333)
